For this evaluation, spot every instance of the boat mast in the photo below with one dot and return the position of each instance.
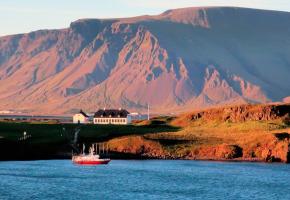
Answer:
(93, 149)
(96, 151)
(107, 148)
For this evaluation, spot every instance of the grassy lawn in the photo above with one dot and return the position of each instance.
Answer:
(54, 133)
(207, 133)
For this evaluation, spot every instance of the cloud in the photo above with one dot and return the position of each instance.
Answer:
(18, 10)
(22, 10)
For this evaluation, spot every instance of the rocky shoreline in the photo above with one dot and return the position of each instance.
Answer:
(277, 151)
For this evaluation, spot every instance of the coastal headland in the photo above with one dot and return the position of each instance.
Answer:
(231, 133)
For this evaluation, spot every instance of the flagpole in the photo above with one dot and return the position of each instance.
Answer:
(148, 116)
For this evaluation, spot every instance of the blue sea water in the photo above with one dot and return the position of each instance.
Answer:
(149, 179)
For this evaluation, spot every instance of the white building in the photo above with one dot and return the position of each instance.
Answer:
(112, 116)
(138, 116)
(81, 118)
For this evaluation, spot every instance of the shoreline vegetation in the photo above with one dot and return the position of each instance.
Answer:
(252, 133)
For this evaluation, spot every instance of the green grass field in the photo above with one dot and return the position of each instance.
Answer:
(50, 138)
(55, 133)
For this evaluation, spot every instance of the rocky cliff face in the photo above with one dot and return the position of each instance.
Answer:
(182, 59)
(239, 113)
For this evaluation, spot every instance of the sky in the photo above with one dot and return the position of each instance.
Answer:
(21, 16)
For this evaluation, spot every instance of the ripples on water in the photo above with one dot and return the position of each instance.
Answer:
(152, 179)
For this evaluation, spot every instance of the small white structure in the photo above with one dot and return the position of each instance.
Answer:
(138, 116)
(112, 116)
(81, 118)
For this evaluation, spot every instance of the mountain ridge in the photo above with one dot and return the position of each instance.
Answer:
(181, 59)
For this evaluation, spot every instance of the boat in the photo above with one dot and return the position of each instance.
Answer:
(90, 160)
(93, 158)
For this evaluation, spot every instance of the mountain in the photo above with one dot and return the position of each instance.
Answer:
(182, 59)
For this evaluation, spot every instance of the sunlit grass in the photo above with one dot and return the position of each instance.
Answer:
(200, 133)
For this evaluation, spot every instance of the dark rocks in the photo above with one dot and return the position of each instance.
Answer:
(282, 136)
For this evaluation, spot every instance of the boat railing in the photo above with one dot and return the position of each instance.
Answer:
(101, 149)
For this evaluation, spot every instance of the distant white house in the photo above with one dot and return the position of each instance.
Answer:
(112, 116)
(81, 118)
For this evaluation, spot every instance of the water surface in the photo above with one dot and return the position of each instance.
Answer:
(151, 179)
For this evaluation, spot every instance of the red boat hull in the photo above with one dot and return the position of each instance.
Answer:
(90, 160)
(93, 162)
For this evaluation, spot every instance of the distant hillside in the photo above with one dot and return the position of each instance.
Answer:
(182, 59)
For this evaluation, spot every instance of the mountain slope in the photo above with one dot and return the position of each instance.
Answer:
(181, 59)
